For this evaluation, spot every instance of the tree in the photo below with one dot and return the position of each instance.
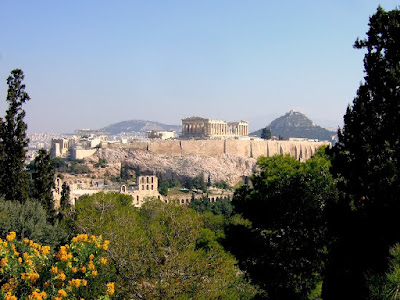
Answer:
(65, 195)
(366, 160)
(266, 133)
(220, 207)
(43, 180)
(13, 141)
(162, 251)
(30, 220)
(283, 250)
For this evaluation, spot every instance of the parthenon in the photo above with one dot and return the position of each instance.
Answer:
(198, 127)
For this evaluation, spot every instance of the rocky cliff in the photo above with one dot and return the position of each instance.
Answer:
(227, 168)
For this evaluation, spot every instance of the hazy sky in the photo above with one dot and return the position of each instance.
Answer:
(91, 63)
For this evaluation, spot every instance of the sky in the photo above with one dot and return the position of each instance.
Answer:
(88, 64)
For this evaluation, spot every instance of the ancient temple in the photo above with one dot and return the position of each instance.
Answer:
(198, 127)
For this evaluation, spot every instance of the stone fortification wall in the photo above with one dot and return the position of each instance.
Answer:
(216, 148)
(213, 148)
(130, 146)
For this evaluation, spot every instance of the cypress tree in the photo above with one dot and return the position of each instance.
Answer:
(65, 195)
(13, 141)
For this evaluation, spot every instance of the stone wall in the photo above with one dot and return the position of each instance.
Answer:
(216, 148)
(82, 153)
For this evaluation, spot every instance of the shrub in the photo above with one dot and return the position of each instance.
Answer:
(30, 271)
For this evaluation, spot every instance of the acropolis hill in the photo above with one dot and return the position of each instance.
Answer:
(199, 137)
(218, 149)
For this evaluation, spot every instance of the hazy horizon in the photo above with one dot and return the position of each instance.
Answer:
(90, 64)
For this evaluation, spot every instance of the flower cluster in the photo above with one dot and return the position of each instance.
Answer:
(30, 271)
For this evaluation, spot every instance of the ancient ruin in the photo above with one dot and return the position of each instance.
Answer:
(203, 128)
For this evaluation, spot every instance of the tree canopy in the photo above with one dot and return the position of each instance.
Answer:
(162, 250)
(366, 161)
(283, 250)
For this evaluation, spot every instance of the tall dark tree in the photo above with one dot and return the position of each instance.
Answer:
(13, 141)
(65, 195)
(364, 221)
(266, 133)
(43, 180)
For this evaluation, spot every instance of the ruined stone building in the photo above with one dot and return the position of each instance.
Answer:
(203, 128)
(163, 135)
(146, 187)
(76, 147)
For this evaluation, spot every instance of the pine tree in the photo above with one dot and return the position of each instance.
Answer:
(364, 222)
(13, 141)
(43, 180)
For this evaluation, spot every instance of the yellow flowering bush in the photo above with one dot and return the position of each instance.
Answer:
(31, 271)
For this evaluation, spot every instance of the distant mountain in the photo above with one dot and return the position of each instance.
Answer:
(139, 126)
(297, 125)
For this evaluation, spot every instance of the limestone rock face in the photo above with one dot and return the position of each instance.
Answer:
(226, 168)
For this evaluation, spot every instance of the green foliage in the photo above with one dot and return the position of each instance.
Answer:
(102, 163)
(221, 185)
(165, 183)
(387, 286)
(196, 182)
(76, 166)
(283, 250)
(29, 220)
(266, 133)
(162, 250)
(13, 141)
(220, 207)
(366, 161)
(43, 180)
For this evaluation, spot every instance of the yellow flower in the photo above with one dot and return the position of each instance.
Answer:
(61, 276)
(61, 293)
(82, 237)
(47, 284)
(54, 270)
(75, 282)
(103, 260)
(19, 259)
(83, 269)
(3, 262)
(84, 282)
(110, 288)
(91, 256)
(94, 273)
(9, 296)
(74, 269)
(45, 250)
(6, 287)
(11, 236)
